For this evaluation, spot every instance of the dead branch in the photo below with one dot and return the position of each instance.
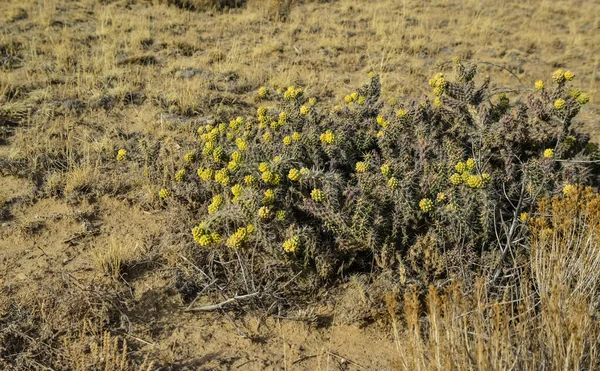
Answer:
(220, 305)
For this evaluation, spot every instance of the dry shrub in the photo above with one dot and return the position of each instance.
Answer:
(278, 10)
(362, 300)
(545, 320)
(61, 324)
(203, 5)
(109, 353)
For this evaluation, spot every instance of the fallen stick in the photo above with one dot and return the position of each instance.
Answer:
(207, 308)
(345, 360)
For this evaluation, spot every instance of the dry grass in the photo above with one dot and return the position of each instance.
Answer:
(80, 80)
(114, 257)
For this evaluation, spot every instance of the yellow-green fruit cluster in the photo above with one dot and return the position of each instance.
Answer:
(354, 97)
(237, 239)
(269, 197)
(304, 110)
(569, 189)
(215, 205)
(470, 164)
(189, 157)
(218, 154)
(250, 180)
(241, 144)
(327, 137)
(569, 140)
(283, 116)
(559, 104)
(206, 174)
(549, 153)
(294, 175)
(262, 92)
(262, 111)
(362, 167)
(569, 75)
(317, 195)
(280, 215)
(233, 166)
(475, 181)
(393, 183)
(386, 170)
(222, 177)
(292, 93)
(270, 177)
(163, 193)
(426, 205)
(382, 122)
(296, 137)
(213, 135)
(237, 190)
(438, 83)
(463, 173)
(209, 147)
(203, 237)
(263, 166)
(122, 155)
(559, 76)
(539, 85)
(236, 156)
(455, 179)
(239, 122)
(291, 245)
(461, 167)
(583, 98)
(180, 175)
(265, 212)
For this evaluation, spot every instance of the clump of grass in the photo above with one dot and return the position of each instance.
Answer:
(114, 258)
(79, 181)
(4, 207)
(31, 227)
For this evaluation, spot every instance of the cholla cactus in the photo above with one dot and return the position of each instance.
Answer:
(432, 181)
